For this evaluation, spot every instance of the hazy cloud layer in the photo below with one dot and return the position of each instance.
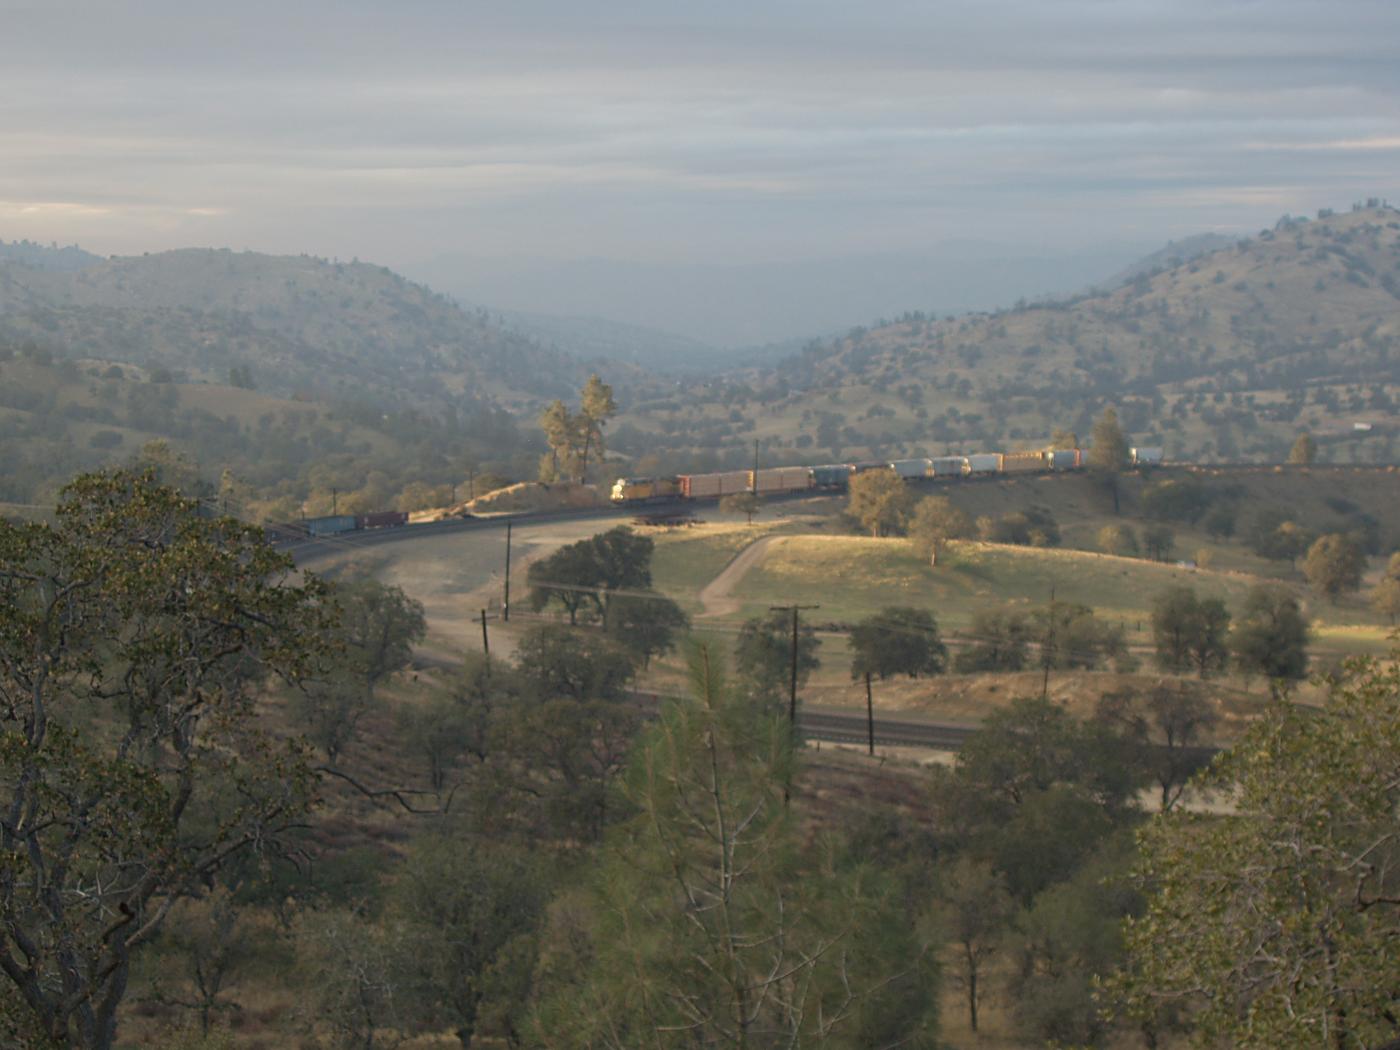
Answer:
(685, 133)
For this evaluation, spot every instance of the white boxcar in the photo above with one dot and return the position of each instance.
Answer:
(949, 466)
(1147, 455)
(984, 463)
(912, 468)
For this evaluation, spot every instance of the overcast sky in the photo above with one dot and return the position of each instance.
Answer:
(696, 132)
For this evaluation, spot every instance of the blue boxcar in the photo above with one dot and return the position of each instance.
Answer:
(831, 476)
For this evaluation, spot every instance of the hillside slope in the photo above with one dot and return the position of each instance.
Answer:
(1222, 357)
(304, 326)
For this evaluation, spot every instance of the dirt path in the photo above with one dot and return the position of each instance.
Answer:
(715, 597)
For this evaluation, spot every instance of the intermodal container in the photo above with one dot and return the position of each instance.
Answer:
(912, 468)
(984, 463)
(382, 519)
(1065, 458)
(1147, 455)
(331, 524)
(831, 476)
(713, 486)
(949, 466)
(1023, 462)
(783, 479)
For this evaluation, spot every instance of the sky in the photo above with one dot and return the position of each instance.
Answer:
(497, 148)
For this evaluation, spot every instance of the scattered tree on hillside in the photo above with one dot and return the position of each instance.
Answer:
(998, 641)
(646, 624)
(934, 523)
(1117, 539)
(596, 407)
(1272, 535)
(975, 909)
(879, 501)
(1385, 599)
(1334, 565)
(1158, 541)
(746, 503)
(135, 636)
(586, 574)
(574, 437)
(1108, 452)
(1063, 439)
(1304, 450)
(896, 640)
(1169, 723)
(1271, 636)
(763, 655)
(1070, 636)
(1190, 632)
(1275, 925)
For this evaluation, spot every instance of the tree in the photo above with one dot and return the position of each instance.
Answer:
(934, 523)
(763, 655)
(746, 503)
(134, 637)
(1169, 723)
(1334, 565)
(1271, 637)
(1304, 450)
(596, 407)
(1071, 636)
(879, 501)
(975, 909)
(1190, 633)
(560, 432)
(1385, 599)
(646, 624)
(897, 640)
(1108, 452)
(463, 906)
(1274, 925)
(359, 977)
(585, 574)
(998, 642)
(1158, 540)
(711, 920)
(556, 663)
(1117, 539)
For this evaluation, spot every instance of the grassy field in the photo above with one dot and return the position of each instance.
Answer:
(686, 560)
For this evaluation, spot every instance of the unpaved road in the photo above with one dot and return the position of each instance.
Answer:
(716, 596)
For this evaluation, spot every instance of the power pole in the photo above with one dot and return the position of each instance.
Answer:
(505, 604)
(485, 641)
(792, 679)
(869, 712)
(1047, 647)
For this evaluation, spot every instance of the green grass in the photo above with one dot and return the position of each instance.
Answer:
(686, 560)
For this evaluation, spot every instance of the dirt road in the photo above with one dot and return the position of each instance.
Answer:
(716, 597)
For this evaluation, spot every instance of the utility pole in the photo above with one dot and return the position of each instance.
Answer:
(869, 713)
(335, 494)
(755, 469)
(792, 680)
(485, 640)
(1047, 647)
(505, 604)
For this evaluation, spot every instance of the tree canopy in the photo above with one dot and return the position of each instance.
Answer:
(879, 500)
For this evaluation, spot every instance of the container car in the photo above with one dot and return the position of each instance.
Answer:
(1143, 456)
(1065, 459)
(984, 463)
(949, 466)
(912, 468)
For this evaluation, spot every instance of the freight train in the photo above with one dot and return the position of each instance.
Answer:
(834, 477)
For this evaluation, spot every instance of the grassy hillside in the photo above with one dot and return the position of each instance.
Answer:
(1223, 357)
(302, 325)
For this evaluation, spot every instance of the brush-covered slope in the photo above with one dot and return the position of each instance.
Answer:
(303, 326)
(1225, 356)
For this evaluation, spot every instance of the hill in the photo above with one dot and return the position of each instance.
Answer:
(303, 326)
(1223, 357)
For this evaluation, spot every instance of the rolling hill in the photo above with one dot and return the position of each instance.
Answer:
(1224, 356)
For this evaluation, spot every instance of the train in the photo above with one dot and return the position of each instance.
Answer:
(835, 477)
(336, 524)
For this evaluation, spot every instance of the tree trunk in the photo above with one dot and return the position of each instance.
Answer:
(972, 998)
(870, 720)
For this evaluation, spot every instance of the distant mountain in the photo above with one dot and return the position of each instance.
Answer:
(303, 326)
(1225, 356)
(47, 256)
(737, 305)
